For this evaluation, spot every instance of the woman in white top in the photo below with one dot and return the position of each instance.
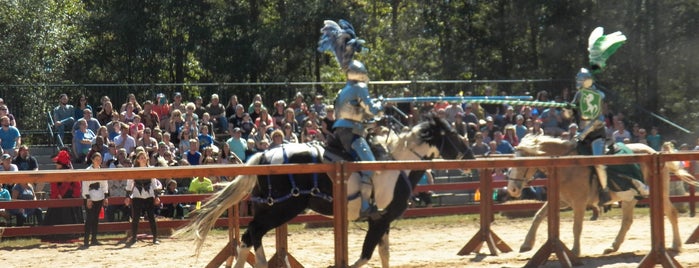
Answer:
(142, 195)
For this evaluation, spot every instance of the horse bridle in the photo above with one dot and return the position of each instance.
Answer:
(526, 181)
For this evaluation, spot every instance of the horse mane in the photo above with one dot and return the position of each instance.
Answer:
(542, 145)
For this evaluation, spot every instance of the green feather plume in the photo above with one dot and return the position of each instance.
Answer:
(602, 46)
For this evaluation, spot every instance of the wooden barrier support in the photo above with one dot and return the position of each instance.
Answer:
(340, 222)
(554, 243)
(658, 254)
(486, 210)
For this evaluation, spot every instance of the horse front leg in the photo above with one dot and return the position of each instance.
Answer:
(578, 217)
(672, 214)
(377, 230)
(626, 221)
(384, 252)
(529, 240)
(241, 259)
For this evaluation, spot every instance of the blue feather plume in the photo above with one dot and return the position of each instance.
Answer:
(340, 39)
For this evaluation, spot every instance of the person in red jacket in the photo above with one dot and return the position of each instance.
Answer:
(63, 190)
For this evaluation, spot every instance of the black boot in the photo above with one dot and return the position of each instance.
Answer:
(604, 197)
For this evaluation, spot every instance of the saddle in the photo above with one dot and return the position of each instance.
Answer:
(618, 176)
(334, 151)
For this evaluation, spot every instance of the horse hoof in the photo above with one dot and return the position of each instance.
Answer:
(609, 250)
(674, 250)
(525, 249)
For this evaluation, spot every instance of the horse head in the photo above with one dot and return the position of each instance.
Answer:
(534, 145)
(439, 134)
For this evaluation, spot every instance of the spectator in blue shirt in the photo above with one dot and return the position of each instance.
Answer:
(10, 138)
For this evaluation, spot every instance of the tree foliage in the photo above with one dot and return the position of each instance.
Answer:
(190, 41)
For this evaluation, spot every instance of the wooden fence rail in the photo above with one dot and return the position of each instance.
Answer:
(339, 172)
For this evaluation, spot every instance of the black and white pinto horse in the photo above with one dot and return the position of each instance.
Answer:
(279, 198)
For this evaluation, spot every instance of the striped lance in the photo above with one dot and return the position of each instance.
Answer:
(510, 100)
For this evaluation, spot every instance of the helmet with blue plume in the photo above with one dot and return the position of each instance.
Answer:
(602, 46)
(340, 39)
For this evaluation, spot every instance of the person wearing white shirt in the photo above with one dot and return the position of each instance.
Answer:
(95, 194)
(142, 195)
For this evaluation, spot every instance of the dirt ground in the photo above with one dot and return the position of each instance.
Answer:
(433, 246)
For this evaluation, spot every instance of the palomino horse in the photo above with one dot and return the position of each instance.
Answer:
(579, 191)
(279, 198)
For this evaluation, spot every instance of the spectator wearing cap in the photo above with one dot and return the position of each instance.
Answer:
(573, 131)
(177, 103)
(63, 115)
(490, 127)
(218, 114)
(161, 107)
(10, 138)
(7, 164)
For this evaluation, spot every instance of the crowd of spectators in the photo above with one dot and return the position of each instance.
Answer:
(186, 131)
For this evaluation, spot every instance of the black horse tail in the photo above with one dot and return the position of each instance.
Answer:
(206, 217)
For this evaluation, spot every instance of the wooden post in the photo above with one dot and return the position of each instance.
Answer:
(658, 253)
(228, 253)
(340, 222)
(484, 234)
(554, 243)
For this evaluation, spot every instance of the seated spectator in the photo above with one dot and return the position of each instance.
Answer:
(149, 118)
(218, 114)
(201, 185)
(25, 161)
(131, 99)
(149, 143)
(172, 210)
(25, 191)
(205, 140)
(193, 156)
(63, 116)
(107, 113)
(10, 138)
(4, 111)
(4, 197)
(237, 144)
(206, 121)
(7, 163)
(82, 141)
(92, 123)
(136, 128)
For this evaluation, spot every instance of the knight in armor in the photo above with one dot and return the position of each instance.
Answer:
(589, 100)
(353, 107)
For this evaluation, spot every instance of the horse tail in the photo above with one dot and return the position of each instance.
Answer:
(676, 168)
(205, 218)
